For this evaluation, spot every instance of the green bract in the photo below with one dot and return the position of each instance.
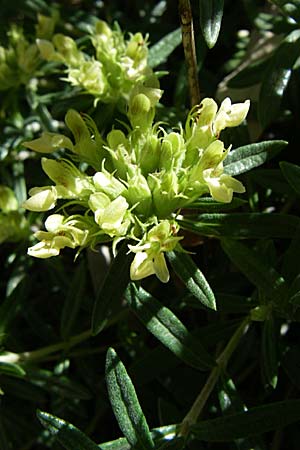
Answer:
(141, 179)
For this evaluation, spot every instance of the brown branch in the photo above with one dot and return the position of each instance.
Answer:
(188, 41)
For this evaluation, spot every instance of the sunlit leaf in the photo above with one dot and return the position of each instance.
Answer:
(168, 329)
(211, 13)
(125, 403)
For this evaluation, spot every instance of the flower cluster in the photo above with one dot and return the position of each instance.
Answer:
(20, 60)
(114, 68)
(137, 179)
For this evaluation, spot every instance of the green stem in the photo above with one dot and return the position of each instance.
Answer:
(192, 416)
(17, 358)
(188, 42)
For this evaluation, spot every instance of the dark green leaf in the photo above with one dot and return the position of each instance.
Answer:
(291, 364)
(111, 291)
(125, 403)
(231, 402)
(242, 225)
(249, 156)
(271, 179)
(192, 277)
(118, 444)
(263, 276)
(11, 369)
(255, 421)
(291, 260)
(159, 52)
(69, 436)
(211, 13)
(270, 352)
(292, 173)
(168, 329)
(209, 205)
(276, 78)
(73, 301)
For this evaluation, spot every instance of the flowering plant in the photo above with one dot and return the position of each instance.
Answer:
(142, 179)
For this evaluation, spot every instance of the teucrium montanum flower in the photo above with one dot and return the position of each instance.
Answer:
(141, 177)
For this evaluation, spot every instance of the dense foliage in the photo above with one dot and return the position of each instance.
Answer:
(149, 232)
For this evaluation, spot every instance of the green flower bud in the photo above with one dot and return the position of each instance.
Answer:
(103, 29)
(138, 193)
(29, 59)
(119, 149)
(172, 151)
(8, 201)
(149, 155)
(67, 48)
(49, 143)
(47, 50)
(165, 193)
(45, 26)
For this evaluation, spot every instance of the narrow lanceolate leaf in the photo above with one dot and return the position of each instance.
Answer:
(208, 204)
(192, 277)
(125, 404)
(249, 423)
(168, 329)
(264, 277)
(211, 13)
(270, 352)
(245, 158)
(118, 444)
(242, 225)
(160, 51)
(12, 369)
(111, 291)
(277, 77)
(68, 436)
(292, 173)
